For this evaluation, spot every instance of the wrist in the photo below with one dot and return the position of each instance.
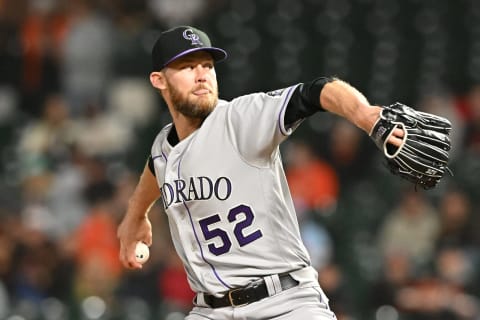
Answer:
(368, 118)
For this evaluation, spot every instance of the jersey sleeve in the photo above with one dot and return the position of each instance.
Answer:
(158, 155)
(256, 124)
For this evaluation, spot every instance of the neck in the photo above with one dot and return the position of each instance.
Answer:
(186, 126)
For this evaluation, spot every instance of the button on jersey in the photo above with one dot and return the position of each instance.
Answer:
(223, 188)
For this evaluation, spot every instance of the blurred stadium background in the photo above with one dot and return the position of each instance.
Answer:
(78, 116)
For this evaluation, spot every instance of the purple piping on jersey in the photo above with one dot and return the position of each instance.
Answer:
(164, 155)
(282, 110)
(156, 157)
(198, 241)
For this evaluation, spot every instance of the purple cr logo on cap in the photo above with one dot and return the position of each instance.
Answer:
(189, 34)
(170, 46)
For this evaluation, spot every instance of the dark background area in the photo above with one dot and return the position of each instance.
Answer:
(78, 117)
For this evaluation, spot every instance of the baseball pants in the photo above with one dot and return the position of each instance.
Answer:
(301, 302)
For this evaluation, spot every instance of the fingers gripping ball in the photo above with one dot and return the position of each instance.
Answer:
(142, 253)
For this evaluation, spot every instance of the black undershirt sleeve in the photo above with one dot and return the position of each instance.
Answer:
(172, 139)
(150, 165)
(305, 100)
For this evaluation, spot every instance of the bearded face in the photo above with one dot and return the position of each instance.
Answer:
(197, 103)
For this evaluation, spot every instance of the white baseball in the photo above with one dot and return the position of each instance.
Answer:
(142, 253)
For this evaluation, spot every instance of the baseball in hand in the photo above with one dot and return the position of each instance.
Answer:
(142, 253)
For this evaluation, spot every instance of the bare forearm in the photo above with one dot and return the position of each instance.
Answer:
(144, 196)
(344, 100)
(135, 225)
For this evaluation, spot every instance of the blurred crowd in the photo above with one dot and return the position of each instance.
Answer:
(78, 116)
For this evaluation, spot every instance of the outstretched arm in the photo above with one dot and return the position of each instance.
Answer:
(135, 225)
(344, 100)
(415, 144)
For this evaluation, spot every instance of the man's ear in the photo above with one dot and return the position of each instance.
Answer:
(157, 79)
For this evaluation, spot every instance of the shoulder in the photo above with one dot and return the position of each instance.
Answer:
(259, 96)
(269, 96)
(225, 106)
(162, 135)
(253, 103)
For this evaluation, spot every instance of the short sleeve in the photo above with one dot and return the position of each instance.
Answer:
(256, 124)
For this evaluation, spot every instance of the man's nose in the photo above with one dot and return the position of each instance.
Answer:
(201, 73)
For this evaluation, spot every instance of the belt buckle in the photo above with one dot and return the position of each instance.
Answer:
(230, 298)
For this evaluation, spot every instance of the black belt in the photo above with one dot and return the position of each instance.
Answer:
(255, 291)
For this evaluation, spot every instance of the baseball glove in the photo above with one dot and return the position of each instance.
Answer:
(422, 157)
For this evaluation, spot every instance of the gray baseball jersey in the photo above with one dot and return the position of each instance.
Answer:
(223, 188)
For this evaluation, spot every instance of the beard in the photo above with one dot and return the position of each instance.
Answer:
(190, 108)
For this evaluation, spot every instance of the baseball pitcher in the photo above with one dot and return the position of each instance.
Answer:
(218, 173)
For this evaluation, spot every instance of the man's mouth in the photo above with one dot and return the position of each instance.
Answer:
(201, 91)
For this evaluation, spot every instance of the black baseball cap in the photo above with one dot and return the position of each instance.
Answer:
(179, 41)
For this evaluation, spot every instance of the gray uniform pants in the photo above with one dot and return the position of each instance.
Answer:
(303, 302)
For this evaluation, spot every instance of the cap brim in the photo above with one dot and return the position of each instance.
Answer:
(217, 54)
